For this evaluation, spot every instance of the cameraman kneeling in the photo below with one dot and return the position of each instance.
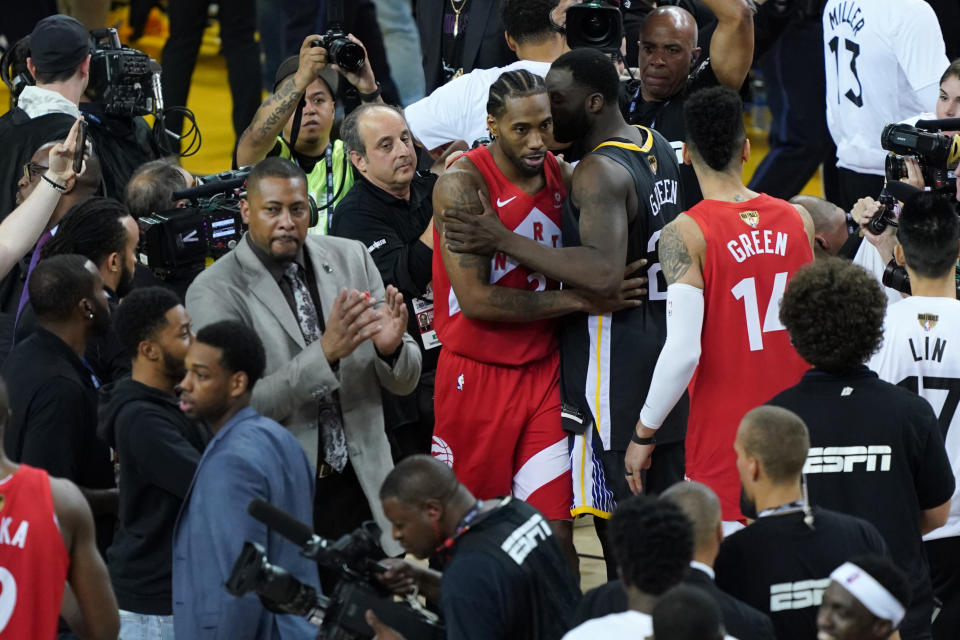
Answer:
(504, 573)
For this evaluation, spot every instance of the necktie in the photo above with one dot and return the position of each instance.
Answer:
(329, 418)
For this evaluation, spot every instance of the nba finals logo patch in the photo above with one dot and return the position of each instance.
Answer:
(752, 218)
(652, 161)
(927, 320)
(3, 501)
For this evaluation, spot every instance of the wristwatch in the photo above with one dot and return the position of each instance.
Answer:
(370, 97)
(645, 441)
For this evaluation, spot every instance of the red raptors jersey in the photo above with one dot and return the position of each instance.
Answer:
(536, 217)
(33, 558)
(753, 249)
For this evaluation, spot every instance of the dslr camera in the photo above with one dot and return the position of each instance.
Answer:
(936, 154)
(342, 51)
(354, 557)
(125, 81)
(595, 24)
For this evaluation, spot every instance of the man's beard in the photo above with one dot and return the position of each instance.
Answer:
(126, 282)
(173, 368)
(573, 129)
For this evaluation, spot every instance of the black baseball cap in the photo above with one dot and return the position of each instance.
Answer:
(290, 65)
(59, 43)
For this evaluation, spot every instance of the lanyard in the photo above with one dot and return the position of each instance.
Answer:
(796, 505)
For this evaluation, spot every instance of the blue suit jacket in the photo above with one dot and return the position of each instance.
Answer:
(250, 457)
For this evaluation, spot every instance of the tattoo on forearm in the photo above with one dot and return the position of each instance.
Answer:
(537, 304)
(674, 258)
(280, 105)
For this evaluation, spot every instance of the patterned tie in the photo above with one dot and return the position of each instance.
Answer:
(329, 418)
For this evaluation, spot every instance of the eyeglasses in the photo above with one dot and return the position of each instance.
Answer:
(32, 170)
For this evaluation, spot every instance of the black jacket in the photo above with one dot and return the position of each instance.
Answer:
(159, 449)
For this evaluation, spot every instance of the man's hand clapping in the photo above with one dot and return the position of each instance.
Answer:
(393, 323)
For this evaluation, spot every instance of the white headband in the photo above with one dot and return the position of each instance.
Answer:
(869, 592)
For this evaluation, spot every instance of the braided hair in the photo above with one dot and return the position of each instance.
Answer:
(513, 84)
(91, 228)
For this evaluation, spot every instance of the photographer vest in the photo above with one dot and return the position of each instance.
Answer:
(328, 179)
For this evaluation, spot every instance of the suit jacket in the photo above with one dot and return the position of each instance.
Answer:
(484, 47)
(250, 457)
(741, 620)
(238, 287)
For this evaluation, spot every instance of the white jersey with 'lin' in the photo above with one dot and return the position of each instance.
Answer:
(921, 351)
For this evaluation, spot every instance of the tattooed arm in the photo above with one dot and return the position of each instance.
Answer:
(261, 135)
(603, 190)
(460, 189)
(682, 247)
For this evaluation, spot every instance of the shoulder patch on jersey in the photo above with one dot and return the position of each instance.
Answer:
(927, 320)
(752, 218)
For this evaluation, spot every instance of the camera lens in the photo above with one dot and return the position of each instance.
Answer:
(596, 28)
(347, 54)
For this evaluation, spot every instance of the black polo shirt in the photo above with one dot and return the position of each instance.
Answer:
(53, 424)
(876, 452)
(390, 228)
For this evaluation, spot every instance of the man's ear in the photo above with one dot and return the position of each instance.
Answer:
(244, 211)
(511, 43)
(239, 384)
(695, 55)
(32, 68)
(745, 151)
(595, 103)
(898, 254)
(115, 261)
(882, 628)
(685, 154)
(753, 466)
(85, 66)
(492, 126)
(434, 509)
(149, 350)
(358, 161)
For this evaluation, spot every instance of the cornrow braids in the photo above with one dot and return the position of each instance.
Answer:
(91, 228)
(513, 84)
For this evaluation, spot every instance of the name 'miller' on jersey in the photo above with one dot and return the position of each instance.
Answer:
(847, 13)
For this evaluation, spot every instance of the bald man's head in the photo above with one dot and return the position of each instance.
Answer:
(417, 479)
(668, 51)
(829, 223)
(778, 439)
(702, 506)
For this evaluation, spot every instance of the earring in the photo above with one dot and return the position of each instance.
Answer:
(91, 316)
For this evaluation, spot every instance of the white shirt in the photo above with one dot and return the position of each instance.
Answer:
(921, 339)
(869, 258)
(629, 624)
(38, 102)
(883, 61)
(458, 109)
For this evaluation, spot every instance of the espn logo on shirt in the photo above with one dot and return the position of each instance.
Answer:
(526, 538)
(846, 459)
(789, 596)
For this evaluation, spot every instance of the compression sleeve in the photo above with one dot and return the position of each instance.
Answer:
(679, 356)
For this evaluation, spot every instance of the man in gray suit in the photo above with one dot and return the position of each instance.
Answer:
(333, 338)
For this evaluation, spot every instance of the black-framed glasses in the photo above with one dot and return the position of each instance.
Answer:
(32, 170)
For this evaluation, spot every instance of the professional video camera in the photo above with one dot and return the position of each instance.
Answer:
(125, 81)
(936, 153)
(595, 24)
(896, 277)
(175, 242)
(354, 556)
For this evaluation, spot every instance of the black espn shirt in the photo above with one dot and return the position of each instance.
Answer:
(781, 566)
